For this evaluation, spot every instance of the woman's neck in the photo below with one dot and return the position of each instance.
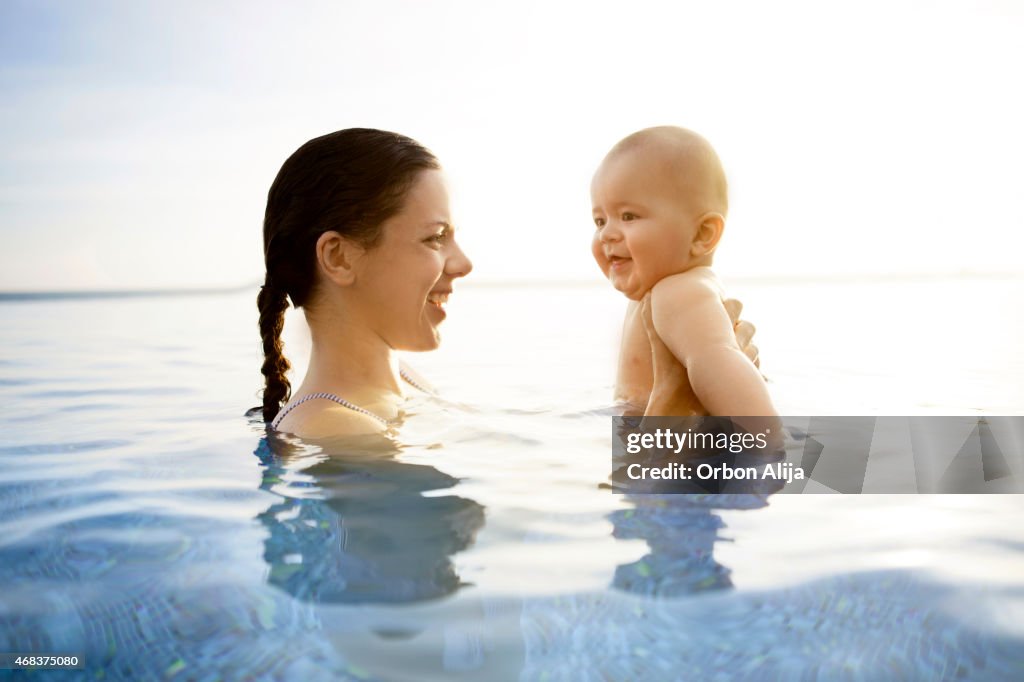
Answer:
(350, 361)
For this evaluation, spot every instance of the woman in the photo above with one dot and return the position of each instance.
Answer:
(358, 233)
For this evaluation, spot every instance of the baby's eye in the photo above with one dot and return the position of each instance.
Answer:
(627, 216)
(599, 222)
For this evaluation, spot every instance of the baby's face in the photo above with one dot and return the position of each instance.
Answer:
(644, 220)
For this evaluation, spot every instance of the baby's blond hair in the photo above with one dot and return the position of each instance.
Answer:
(692, 158)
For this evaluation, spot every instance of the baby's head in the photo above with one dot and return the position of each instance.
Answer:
(660, 201)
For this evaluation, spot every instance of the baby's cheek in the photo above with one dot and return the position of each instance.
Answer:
(598, 253)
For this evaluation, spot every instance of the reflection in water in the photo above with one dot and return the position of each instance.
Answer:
(676, 519)
(358, 528)
(680, 531)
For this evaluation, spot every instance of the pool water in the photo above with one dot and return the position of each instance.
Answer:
(151, 527)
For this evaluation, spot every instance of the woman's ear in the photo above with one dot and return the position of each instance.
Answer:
(709, 231)
(337, 257)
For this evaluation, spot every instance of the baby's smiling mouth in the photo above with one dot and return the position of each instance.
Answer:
(617, 261)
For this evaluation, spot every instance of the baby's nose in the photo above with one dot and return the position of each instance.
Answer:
(610, 233)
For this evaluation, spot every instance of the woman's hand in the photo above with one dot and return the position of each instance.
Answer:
(743, 329)
(672, 393)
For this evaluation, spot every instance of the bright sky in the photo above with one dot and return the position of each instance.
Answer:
(138, 140)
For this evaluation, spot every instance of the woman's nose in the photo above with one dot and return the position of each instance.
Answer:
(458, 263)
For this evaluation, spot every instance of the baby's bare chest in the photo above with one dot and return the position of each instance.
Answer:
(635, 373)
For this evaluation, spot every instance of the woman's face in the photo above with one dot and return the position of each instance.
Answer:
(406, 278)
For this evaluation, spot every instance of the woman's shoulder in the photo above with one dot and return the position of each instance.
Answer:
(323, 419)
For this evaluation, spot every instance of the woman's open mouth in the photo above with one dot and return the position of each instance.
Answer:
(439, 300)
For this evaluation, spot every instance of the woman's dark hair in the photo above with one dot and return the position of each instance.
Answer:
(349, 181)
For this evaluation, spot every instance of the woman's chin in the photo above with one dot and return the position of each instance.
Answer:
(435, 341)
(429, 340)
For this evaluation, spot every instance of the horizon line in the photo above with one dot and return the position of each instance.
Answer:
(837, 278)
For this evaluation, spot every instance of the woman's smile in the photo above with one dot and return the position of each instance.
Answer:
(438, 300)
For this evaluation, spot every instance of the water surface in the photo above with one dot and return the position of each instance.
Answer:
(150, 526)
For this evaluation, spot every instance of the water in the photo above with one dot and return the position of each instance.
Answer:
(149, 526)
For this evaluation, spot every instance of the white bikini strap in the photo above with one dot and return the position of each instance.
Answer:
(326, 396)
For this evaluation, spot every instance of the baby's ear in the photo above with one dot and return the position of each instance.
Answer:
(709, 231)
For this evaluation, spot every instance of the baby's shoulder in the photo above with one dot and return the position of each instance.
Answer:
(694, 285)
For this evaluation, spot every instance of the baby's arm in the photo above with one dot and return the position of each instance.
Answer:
(690, 319)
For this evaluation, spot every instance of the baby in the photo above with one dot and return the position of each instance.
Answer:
(660, 200)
